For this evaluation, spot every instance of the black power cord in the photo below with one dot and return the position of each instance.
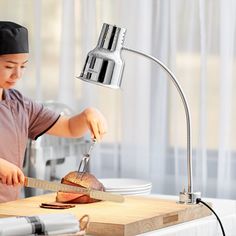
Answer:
(198, 200)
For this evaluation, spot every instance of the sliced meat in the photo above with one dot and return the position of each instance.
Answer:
(76, 179)
(56, 205)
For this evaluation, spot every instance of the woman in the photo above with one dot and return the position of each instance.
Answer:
(21, 118)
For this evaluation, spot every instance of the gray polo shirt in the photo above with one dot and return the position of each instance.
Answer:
(20, 119)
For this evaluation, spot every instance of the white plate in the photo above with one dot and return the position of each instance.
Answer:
(136, 194)
(125, 184)
(131, 192)
(128, 189)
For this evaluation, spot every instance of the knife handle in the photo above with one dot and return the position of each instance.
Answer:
(26, 181)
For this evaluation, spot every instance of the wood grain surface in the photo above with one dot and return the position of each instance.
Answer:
(138, 214)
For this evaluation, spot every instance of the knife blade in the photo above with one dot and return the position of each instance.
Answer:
(56, 186)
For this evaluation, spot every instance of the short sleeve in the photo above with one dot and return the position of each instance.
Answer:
(41, 119)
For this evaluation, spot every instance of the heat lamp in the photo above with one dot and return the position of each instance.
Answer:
(104, 66)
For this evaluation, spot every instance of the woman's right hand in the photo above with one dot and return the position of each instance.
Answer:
(10, 174)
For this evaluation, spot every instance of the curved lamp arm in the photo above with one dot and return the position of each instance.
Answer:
(187, 113)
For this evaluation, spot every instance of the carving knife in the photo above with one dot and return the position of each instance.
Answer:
(56, 186)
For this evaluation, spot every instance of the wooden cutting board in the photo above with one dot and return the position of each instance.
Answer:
(138, 214)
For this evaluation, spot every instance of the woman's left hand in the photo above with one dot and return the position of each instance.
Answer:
(96, 123)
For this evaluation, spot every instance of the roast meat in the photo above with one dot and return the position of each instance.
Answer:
(75, 178)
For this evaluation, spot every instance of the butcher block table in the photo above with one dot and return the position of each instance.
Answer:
(136, 215)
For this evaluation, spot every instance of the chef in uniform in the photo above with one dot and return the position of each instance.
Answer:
(21, 118)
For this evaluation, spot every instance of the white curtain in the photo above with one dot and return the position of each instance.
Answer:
(147, 127)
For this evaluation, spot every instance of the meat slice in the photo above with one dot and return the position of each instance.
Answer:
(56, 205)
(76, 179)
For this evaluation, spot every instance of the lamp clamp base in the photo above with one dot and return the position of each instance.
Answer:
(189, 198)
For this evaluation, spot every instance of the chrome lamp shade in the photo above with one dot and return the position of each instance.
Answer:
(104, 65)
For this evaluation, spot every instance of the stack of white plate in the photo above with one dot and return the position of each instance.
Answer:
(127, 186)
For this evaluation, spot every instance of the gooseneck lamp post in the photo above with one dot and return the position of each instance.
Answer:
(104, 66)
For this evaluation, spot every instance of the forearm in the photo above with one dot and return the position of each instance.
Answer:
(69, 127)
(78, 125)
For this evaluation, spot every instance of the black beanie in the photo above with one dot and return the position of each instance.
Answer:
(13, 38)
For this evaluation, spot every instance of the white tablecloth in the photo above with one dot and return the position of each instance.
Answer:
(207, 226)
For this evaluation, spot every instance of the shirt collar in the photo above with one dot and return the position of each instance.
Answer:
(5, 94)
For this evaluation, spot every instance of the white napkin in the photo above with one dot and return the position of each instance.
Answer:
(48, 224)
